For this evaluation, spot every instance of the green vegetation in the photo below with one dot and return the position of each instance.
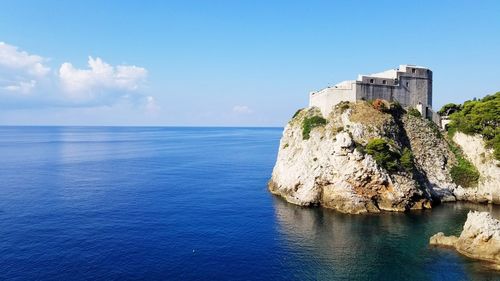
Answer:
(383, 155)
(343, 106)
(463, 173)
(414, 112)
(309, 123)
(359, 147)
(479, 117)
(496, 147)
(407, 159)
(449, 109)
(387, 158)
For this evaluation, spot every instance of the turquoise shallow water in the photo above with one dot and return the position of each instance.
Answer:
(103, 203)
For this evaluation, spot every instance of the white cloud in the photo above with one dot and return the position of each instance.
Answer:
(20, 71)
(151, 106)
(23, 87)
(12, 58)
(242, 109)
(99, 77)
(24, 75)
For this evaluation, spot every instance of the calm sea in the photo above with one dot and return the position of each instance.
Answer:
(130, 203)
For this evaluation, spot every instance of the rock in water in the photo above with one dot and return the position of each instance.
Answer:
(480, 238)
(442, 240)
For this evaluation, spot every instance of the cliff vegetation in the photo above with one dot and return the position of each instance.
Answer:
(477, 117)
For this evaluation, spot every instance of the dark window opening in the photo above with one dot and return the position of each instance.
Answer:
(413, 70)
(384, 82)
(407, 84)
(371, 81)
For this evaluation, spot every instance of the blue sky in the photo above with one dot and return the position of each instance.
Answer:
(227, 63)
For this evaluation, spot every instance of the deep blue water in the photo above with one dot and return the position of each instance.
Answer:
(129, 203)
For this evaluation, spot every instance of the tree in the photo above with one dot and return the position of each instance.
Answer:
(449, 109)
(480, 117)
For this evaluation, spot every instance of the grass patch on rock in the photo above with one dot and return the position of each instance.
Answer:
(463, 173)
(309, 123)
(414, 112)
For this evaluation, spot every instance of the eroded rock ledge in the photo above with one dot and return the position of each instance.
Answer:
(480, 238)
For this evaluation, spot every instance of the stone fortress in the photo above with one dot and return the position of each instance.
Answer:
(410, 85)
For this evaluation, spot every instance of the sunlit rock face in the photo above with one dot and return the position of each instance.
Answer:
(331, 169)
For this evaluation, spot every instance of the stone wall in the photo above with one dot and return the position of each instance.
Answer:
(411, 89)
(409, 85)
(327, 98)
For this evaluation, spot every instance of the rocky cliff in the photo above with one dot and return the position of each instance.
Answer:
(488, 187)
(480, 238)
(362, 159)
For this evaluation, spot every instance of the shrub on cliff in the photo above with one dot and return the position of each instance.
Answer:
(309, 123)
(414, 112)
(342, 106)
(382, 154)
(380, 105)
(407, 159)
(463, 173)
(480, 117)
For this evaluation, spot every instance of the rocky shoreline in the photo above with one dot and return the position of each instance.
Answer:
(480, 238)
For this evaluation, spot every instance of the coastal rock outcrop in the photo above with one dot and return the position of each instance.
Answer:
(442, 240)
(488, 188)
(480, 238)
(336, 163)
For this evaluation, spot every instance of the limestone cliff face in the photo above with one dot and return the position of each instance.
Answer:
(433, 158)
(488, 189)
(331, 169)
(480, 238)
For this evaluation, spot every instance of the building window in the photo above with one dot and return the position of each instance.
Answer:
(384, 82)
(371, 81)
(413, 70)
(407, 84)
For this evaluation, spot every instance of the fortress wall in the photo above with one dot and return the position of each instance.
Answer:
(378, 80)
(374, 91)
(410, 86)
(417, 90)
(434, 116)
(326, 99)
(403, 96)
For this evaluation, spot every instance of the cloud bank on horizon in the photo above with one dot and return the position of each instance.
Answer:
(26, 80)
